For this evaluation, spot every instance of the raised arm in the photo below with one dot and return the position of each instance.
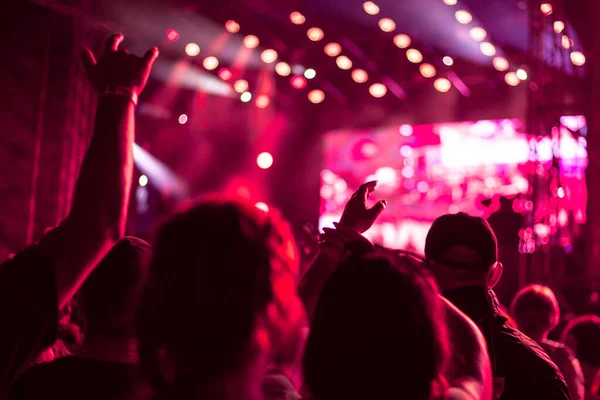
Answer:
(98, 214)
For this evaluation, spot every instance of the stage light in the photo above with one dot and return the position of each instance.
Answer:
(192, 49)
(297, 18)
(406, 151)
(246, 97)
(251, 42)
(487, 49)
(450, 2)
(225, 74)
(577, 58)
(447, 60)
(172, 35)
(316, 96)
(315, 34)
(442, 85)
(262, 101)
(566, 42)
(360, 75)
(559, 26)
(406, 130)
(464, 17)
(262, 206)
(378, 90)
(387, 24)
(427, 70)
(143, 181)
(500, 63)
(423, 187)
(210, 63)
(343, 62)
(560, 192)
(298, 82)
(268, 56)
(414, 56)
(310, 73)
(371, 8)
(240, 85)
(402, 41)
(477, 33)
(332, 49)
(232, 26)
(283, 69)
(511, 78)
(182, 119)
(521, 74)
(546, 8)
(264, 160)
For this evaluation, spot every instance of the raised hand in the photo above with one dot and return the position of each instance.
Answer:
(118, 68)
(334, 242)
(356, 215)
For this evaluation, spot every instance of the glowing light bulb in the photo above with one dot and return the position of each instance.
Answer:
(402, 41)
(240, 85)
(559, 26)
(316, 96)
(477, 33)
(387, 24)
(262, 206)
(442, 85)
(172, 35)
(427, 70)
(447, 60)
(143, 181)
(310, 73)
(210, 63)
(577, 58)
(264, 160)
(246, 97)
(464, 17)
(360, 75)
(297, 18)
(487, 49)
(343, 62)
(298, 82)
(192, 49)
(251, 42)
(414, 56)
(566, 42)
(546, 8)
(332, 49)
(283, 69)
(377, 90)
(500, 63)
(521, 74)
(315, 34)
(262, 101)
(268, 56)
(182, 119)
(450, 2)
(371, 8)
(225, 74)
(232, 26)
(511, 78)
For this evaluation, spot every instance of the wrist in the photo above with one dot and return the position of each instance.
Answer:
(120, 91)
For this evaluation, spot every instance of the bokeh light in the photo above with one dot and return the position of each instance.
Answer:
(332, 49)
(298, 82)
(378, 90)
(500, 63)
(387, 24)
(268, 56)
(297, 18)
(316, 96)
(182, 119)
(240, 86)
(463, 16)
(315, 34)
(343, 62)
(559, 26)
(406, 130)
(283, 68)
(450, 2)
(414, 56)
(225, 74)
(427, 70)
(566, 42)
(251, 42)
(511, 78)
(360, 75)
(210, 63)
(477, 33)
(262, 206)
(264, 160)
(371, 8)
(246, 97)
(402, 41)
(487, 49)
(172, 35)
(192, 49)
(546, 8)
(262, 101)
(521, 74)
(447, 60)
(143, 181)
(310, 73)
(442, 85)
(232, 26)
(577, 58)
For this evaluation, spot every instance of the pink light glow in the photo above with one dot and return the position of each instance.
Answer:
(172, 35)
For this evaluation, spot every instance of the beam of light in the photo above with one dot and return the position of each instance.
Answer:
(459, 84)
(185, 75)
(158, 174)
(394, 87)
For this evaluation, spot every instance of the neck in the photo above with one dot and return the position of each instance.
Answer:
(102, 348)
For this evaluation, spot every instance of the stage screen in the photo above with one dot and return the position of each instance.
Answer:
(425, 171)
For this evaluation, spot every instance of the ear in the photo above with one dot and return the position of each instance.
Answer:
(494, 274)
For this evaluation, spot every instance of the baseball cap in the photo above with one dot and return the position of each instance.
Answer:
(462, 241)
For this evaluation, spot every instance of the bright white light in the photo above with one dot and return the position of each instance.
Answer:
(240, 85)
(316, 96)
(546, 8)
(478, 33)
(310, 73)
(406, 151)
(232, 26)
(315, 34)
(210, 63)
(343, 62)
(442, 85)
(406, 130)
(262, 206)
(268, 56)
(264, 160)
(559, 26)
(387, 24)
(297, 18)
(447, 60)
(283, 69)
(386, 176)
(332, 49)
(192, 49)
(371, 8)
(566, 42)
(402, 41)
(143, 181)
(512, 79)
(262, 101)
(251, 42)
(577, 58)
(487, 49)
(560, 192)
(500, 63)
(377, 90)
(521, 74)
(360, 75)
(161, 176)
(450, 2)
(427, 70)
(463, 16)
(182, 119)
(246, 97)
(414, 56)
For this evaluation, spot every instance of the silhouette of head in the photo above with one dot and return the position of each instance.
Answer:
(535, 310)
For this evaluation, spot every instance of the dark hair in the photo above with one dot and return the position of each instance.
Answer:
(111, 295)
(586, 332)
(377, 331)
(216, 267)
(535, 309)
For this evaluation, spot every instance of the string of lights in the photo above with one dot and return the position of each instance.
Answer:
(577, 57)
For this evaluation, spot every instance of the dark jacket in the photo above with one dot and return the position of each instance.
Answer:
(521, 369)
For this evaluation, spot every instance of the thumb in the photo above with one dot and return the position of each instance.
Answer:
(87, 59)
(150, 56)
(376, 210)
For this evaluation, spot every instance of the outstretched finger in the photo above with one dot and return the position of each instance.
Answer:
(87, 59)
(150, 56)
(365, 189)
(376, 210)
(113, 42)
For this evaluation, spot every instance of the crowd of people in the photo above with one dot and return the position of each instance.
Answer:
(215, 308)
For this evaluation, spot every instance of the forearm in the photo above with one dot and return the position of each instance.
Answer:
(313, 281)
